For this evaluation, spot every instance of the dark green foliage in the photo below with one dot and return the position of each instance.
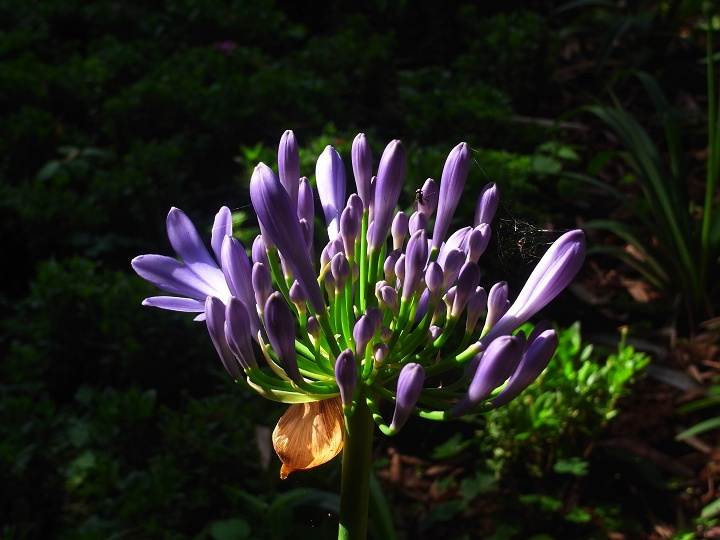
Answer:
(537, 452)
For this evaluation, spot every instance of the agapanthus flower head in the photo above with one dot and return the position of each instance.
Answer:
(372, 320)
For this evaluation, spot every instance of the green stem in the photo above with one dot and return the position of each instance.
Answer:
(355, 486)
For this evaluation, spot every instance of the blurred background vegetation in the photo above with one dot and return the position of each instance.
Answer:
(117, 421)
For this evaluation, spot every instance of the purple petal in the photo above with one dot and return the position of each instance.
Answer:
(172, 276)
(387, 191)
(280, 328)
(222, 227)
(238, 332)
(410, 384)
(429, 198)
(175, 303)
(186, 242)
(363, 332)
(399, 229)
(238, 274)
(487, 204)
(495, 366)
(533, 362)
(289, 165)
(553, 273)
(215, 320)
(416, 256)
(452, 183)
(468, 280)
(346, 376)
(276, 213)
(362, 167)
(330, 180)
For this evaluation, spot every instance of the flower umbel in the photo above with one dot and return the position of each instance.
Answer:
(394, 310)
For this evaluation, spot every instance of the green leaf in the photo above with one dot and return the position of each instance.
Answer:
(230, 529)
(573, 465)
(578, 515)
(711, 510)
(702, 427)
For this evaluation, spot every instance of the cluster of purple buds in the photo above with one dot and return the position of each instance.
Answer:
(392, 311)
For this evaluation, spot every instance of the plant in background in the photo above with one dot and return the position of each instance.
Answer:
(374, 321)
(539, 444)
(676, 239)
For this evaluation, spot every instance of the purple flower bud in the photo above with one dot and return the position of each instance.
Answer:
(538, 329)
(497, 303)
(379, 285)
(297, 296)
(434, 280)
(410, 384)
(281, 331)
(362, 167)
(340, 270)
(553, 273)
(262, 284)
(238, 274)
(416, 256)
(468, 280)
(475, 306)
(429, 195)
(269, 244)
(399, 229)
(400, 268)
(385, 334)
(380, 353)
(237, 333)
(278, 217)
(306, 203)
(346, 376)
(452, 183)
(495, 366)
(329, 282)
(389, 265)
(307, 234)
(477, 240)
(356, 205)
(533, 362)
(456, 241)
(487, 204)
(418, 222)
(451, 267)
(434, 332)
(450, 298)
(363, 332)
(215, 320)
(387, 191)
(313, 327)
(289, 165)
(389, 297)
(376, 315)
(259, 254)
(222, 227)
(349, 230)
(330, 180)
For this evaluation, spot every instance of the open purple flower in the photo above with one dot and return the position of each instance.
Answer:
(196, 275)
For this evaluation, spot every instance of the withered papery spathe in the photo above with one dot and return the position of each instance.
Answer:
(308, 435)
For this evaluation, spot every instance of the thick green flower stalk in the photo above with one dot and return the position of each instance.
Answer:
(392, 312)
